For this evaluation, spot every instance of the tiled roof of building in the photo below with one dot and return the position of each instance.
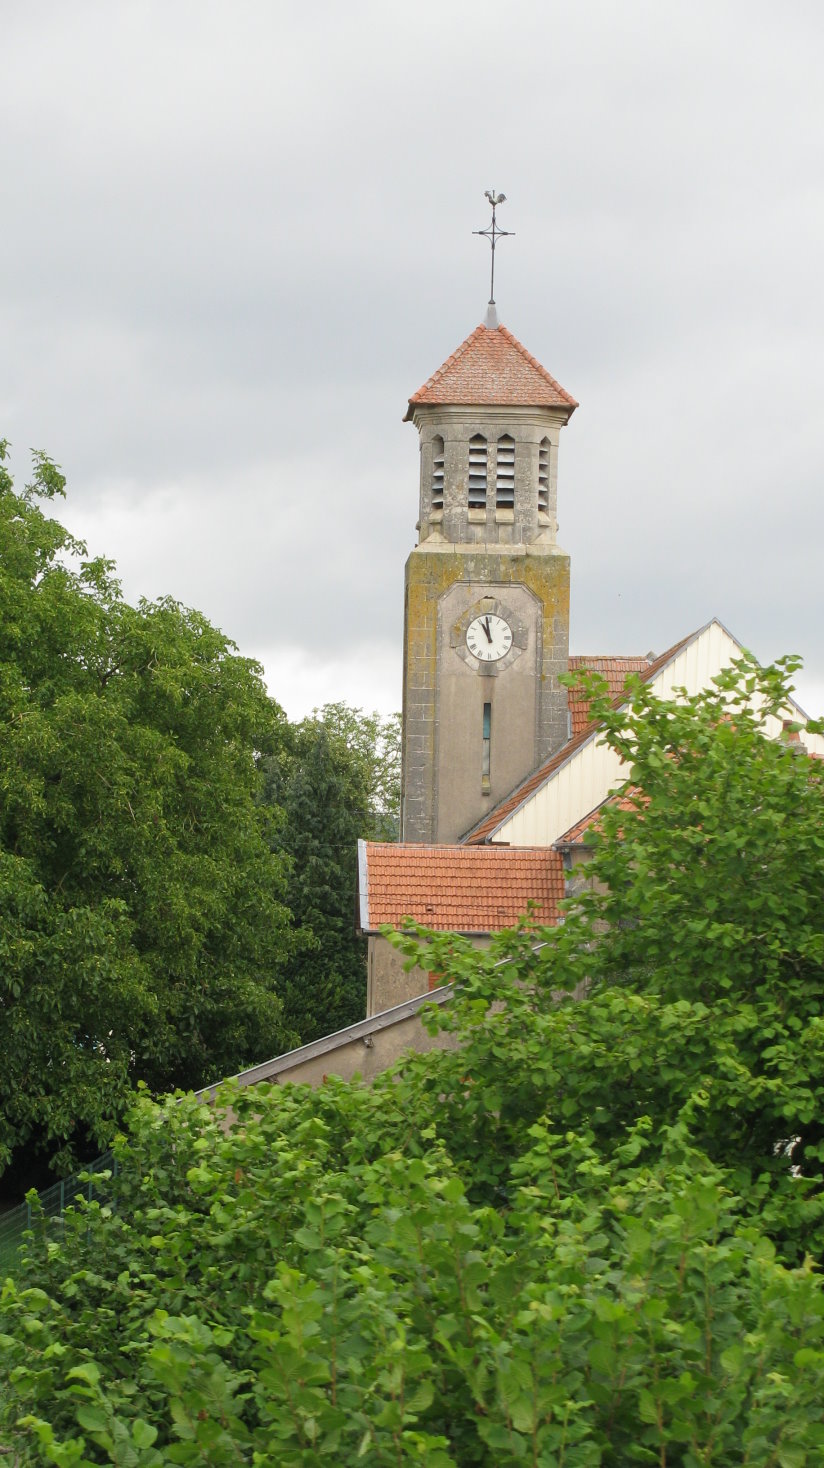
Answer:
(490, 823)
(492, 367)
(613, 669)
(458, 889)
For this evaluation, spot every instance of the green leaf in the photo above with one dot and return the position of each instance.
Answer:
(87, 1371)
(143, 1433)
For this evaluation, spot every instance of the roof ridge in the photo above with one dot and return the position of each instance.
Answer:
(614, 657)
(454, 848)
(622, 798)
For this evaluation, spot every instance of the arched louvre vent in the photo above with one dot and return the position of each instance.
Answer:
(437, 473)
(505, 473)
(477, 472)
(543, 476)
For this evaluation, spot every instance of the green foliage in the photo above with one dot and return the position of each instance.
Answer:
(142, 916)
(334, 779)
(711, 909)
(319, 1284)
(724, 848)
(698, 940)
(583, 1234)
(370, 746)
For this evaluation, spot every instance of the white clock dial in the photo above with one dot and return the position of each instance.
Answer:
(488, 637)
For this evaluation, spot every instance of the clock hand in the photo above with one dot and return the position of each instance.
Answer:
(485, 625)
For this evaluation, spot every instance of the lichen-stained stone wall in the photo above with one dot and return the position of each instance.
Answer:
(444, 692)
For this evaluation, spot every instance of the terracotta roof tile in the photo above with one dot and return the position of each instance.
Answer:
(492, 367)
(490, 823)
(613, 669)
(463, 889)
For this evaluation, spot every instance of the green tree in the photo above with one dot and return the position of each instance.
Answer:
(700, 942)
(334, 779)
(319, 1283)
(711, 899)
(586, 1235)
(143, 913)
(372, 745)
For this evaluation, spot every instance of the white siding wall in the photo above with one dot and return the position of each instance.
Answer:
(572, 792)
(594, 770)
(814, 743)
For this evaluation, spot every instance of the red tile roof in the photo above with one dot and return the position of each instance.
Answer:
(613, 669)
(492, 367)
(459, 889)
(487, 827)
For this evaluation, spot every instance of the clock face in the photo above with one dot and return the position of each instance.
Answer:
(488, 637)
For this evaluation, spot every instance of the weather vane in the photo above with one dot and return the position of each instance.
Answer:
(493, 233)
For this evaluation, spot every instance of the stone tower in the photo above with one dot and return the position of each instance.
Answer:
(486, 617)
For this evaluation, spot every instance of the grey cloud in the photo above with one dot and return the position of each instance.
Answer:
(238, 238)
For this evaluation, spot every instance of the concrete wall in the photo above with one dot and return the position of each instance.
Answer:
(577, 879)
(511, 556)
(387, 983)
(364, 1049)
(445, 688)
(456, 426)
(513, 689)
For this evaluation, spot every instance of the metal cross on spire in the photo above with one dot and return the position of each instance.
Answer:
(493, 233)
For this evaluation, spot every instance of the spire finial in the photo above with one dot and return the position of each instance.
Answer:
(493, 233)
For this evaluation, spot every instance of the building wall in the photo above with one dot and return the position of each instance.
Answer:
(367, 1058)
(498, 554)
(593, 770)
(455, 426)
(362, 1050)
(388, 983)
(444, 691)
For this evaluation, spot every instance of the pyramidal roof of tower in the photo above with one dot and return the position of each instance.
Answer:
(492, 368)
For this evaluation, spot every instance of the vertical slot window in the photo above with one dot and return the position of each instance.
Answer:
(543, 477)
(505, 473)
(486, 747)
(477, 472)
(437, 472)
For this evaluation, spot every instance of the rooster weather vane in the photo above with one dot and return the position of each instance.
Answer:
(493, 234)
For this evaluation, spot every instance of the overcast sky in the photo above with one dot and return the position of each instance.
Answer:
(237, 236)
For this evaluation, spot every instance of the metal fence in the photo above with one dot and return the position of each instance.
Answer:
(51, 1205)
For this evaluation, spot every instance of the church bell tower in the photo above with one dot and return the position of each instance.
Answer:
(486, 616)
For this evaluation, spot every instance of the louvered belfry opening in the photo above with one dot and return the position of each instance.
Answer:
(437, 472)
(505, 473)
(543, 476)
(477, 472)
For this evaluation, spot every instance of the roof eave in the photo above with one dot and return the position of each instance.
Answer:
(421, 405)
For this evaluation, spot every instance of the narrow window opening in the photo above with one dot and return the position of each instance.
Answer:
(543, 477)
(505, 473)
(477, 472)
(437, 472)
(486, 747)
